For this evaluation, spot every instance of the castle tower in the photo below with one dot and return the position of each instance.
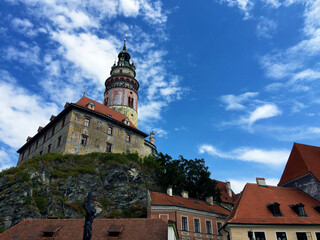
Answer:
(121, 92)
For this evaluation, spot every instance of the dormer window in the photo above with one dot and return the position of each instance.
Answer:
(275, 209)
(299, 209)
(126, 121)
(317, 208)
(91, 105)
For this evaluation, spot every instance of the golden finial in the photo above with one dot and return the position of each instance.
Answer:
(84, 92)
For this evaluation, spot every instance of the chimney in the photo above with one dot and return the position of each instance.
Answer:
(151, 139)
(40, 128)
(185, 194)
(169, 191)
(261, 182)
(29, 138)
(52, 117)
(228, 188)
(209, 200)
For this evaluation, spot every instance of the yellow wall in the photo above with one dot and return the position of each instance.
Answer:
(241, 233)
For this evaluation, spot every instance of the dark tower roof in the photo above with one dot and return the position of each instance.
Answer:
(124, 55)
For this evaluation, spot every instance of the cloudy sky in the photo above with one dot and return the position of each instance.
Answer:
(235, 82)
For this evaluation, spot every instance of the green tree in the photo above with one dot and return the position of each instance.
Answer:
(190, 175)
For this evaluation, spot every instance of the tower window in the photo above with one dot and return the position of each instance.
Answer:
(130, 102)
(184, 221)
(107, 100)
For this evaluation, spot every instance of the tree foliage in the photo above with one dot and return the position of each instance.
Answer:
(190, 175)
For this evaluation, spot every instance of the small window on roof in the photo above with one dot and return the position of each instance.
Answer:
(317, 208)
(299, 209)
(275, 209)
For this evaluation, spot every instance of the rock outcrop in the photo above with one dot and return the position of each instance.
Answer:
(55, 186)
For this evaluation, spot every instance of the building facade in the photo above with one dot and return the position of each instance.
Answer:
(89, 126)
(273, 213)
(303, 170)
(195, 219)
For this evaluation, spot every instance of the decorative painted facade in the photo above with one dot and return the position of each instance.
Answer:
(88, 126)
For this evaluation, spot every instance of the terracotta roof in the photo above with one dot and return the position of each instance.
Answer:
(252, 208)
(303, 159)
(100, 108)
(224, 195)
(69, 229)
(162, 199)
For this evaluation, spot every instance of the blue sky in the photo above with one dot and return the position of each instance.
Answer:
(235, 82)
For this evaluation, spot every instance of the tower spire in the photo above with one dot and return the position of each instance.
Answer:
(124, 45)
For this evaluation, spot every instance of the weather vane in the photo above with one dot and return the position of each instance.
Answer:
(84, 92)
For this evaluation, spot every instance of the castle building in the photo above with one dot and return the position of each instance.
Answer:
(89, 126)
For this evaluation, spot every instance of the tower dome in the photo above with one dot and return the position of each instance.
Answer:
(121, 92)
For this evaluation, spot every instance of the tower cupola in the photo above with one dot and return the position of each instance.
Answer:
(121, 92)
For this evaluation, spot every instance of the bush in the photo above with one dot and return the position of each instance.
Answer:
(41, 203)
(115, 214)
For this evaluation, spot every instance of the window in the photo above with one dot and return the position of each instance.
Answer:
(196, 225)
(281, 236)
(44, 138)
(99, 124)
(29, 150)
(63, 122)
(86, 122)
(317, 208)
(209, 227)
(40, 153)
(107, 101)
(301, 236)
(130, 102)
(318, 235)
(219, 225)
(275, 209)
(49, 148)
(37, 143)
(128, 137)
(84, 140)
(109, 145)
(259, 236)
(59, 141)
(184, 221)
(52, 132)
(110, 130)
(299, 209)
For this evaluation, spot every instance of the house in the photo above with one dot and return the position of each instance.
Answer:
(303, 170)
(269, 212)
(89, 126)
(72, 229)
(195, 219)
(228, 197)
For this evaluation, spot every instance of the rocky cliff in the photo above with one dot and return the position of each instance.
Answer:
(55, 185)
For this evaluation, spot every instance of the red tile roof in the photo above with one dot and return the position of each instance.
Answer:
(252, 206)
(71, 229)
(100, 108)
(224, 194)
(303, 159)
(162, 199)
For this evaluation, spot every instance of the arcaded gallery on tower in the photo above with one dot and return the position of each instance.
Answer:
(89, 126)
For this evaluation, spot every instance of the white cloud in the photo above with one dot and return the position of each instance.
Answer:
(22, 112)
(272, 157)
(26, 54)
(262, 112)
(244, 5)
(234, 102)
(237, 185)
(266, 27)
(24, 26)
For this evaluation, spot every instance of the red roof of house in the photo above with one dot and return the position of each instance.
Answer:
(100, 108)
(224, 194)
(162, 199)
(69, 229)
(252, 208)
(303, 159)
